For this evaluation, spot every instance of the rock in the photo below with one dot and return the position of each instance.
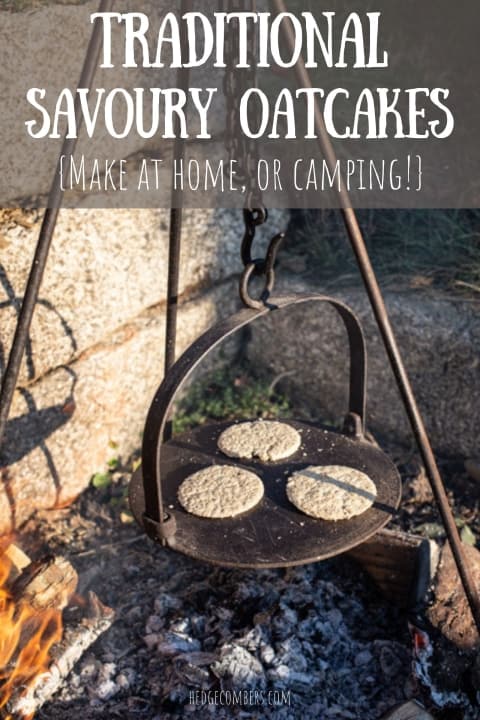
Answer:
(96, 350)
(28, 65)
(438, 338)
(450, 613)
(61, 427)
(420, 487)
(52, 59)
(105, 268)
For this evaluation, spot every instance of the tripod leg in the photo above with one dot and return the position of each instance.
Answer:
(39, 263)
(176, 217)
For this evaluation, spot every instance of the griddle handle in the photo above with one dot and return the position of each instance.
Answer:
(158, 523)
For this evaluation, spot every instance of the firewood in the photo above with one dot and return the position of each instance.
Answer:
(48, 584)
(79, 634)
(473, 469)
(409, 711)
(401, 564)
(18, 559)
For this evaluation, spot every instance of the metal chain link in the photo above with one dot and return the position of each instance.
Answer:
(244, 151)
(236, 82)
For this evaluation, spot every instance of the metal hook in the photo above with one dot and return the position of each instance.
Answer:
(261, 267)
(244, 282)
(273, 248)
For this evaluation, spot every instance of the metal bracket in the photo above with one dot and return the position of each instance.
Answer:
(353, 426)
(160, 531)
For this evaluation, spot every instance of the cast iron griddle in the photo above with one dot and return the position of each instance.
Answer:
(274, 533)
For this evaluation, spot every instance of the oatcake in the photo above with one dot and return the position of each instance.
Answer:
(220, 491)
(331, 492)
(266, 440)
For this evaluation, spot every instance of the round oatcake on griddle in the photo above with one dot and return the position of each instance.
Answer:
(331, 492)
(220, 491)
(267, 440)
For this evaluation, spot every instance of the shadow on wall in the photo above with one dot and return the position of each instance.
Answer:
(31, 430)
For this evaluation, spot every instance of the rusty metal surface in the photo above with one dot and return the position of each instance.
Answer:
(176, 222)
(259, 266)
(157, 523)
(274, 534)
(176, 214)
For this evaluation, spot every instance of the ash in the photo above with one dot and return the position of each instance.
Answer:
(316, 642)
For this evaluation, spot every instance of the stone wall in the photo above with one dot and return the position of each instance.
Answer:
(95, 354)
(46, 49)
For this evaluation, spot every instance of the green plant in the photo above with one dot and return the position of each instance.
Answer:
(103, 480)
(228, 395)
(100, 481)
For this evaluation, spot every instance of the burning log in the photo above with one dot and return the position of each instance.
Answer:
(27, 633)
(36, 652)
(412, 572)
(447, 649)
(46, 584)
(79, 635)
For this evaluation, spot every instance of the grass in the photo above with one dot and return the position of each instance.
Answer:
(441, 246)
(229, 394)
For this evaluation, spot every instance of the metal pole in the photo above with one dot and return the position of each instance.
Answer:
(173, 285)
(34, 282)
(176, 220)
(388, 337)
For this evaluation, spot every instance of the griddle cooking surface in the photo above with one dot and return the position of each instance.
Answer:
(274, 533)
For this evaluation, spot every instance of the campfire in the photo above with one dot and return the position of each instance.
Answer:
(36, 650)
(27, 634)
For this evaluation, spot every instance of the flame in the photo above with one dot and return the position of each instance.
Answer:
(26, 638)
